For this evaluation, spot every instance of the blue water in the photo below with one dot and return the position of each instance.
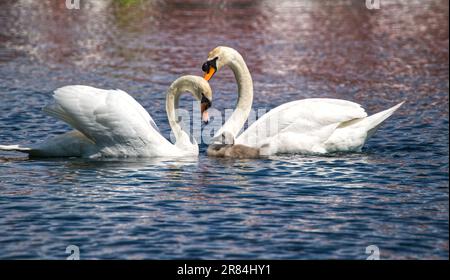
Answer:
(394, 194)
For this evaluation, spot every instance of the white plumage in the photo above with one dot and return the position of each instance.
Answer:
(111, 119)
(111, 123)
(316, 125)
(313, 126)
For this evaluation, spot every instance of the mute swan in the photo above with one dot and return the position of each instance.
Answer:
(316, 125)
(110, 123)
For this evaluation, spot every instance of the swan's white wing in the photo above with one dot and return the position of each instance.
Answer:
(315, 118)
(109, 118)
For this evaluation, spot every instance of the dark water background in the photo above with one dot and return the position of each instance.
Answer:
(394, 194)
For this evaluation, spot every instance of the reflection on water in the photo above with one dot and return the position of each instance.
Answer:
(394, 194)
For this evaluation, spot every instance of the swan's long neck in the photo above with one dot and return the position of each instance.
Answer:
(172, 99)
(245, 97)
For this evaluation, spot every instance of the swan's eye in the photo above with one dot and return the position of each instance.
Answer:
(213, 62)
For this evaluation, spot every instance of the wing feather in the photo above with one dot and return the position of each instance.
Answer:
(314, 117)
(107, 117)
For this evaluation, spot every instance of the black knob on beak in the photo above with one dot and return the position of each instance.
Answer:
(205, 67)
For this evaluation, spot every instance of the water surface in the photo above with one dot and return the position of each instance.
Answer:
(394, 194)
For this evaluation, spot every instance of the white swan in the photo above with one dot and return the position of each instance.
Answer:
(111, 123)
(316, 125)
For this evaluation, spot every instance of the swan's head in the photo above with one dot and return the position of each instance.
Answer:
(217, 58)
(199, 88)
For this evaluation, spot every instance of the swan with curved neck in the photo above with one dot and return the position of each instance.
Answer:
(201, 90)
(111, 123)
(314, 125)
(224, 56)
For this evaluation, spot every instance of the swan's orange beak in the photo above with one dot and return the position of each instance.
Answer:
(204, 112)
(204, 106)
(208, 74)
(209, 67)
(205, 117)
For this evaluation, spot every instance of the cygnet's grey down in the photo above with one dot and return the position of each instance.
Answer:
(224, 147)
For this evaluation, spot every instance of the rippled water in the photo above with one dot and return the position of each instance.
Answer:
(394, 194)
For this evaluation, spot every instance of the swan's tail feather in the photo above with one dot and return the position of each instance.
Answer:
(373, 122)
(16, 148)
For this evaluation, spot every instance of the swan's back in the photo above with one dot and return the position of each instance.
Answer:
(314, 116)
